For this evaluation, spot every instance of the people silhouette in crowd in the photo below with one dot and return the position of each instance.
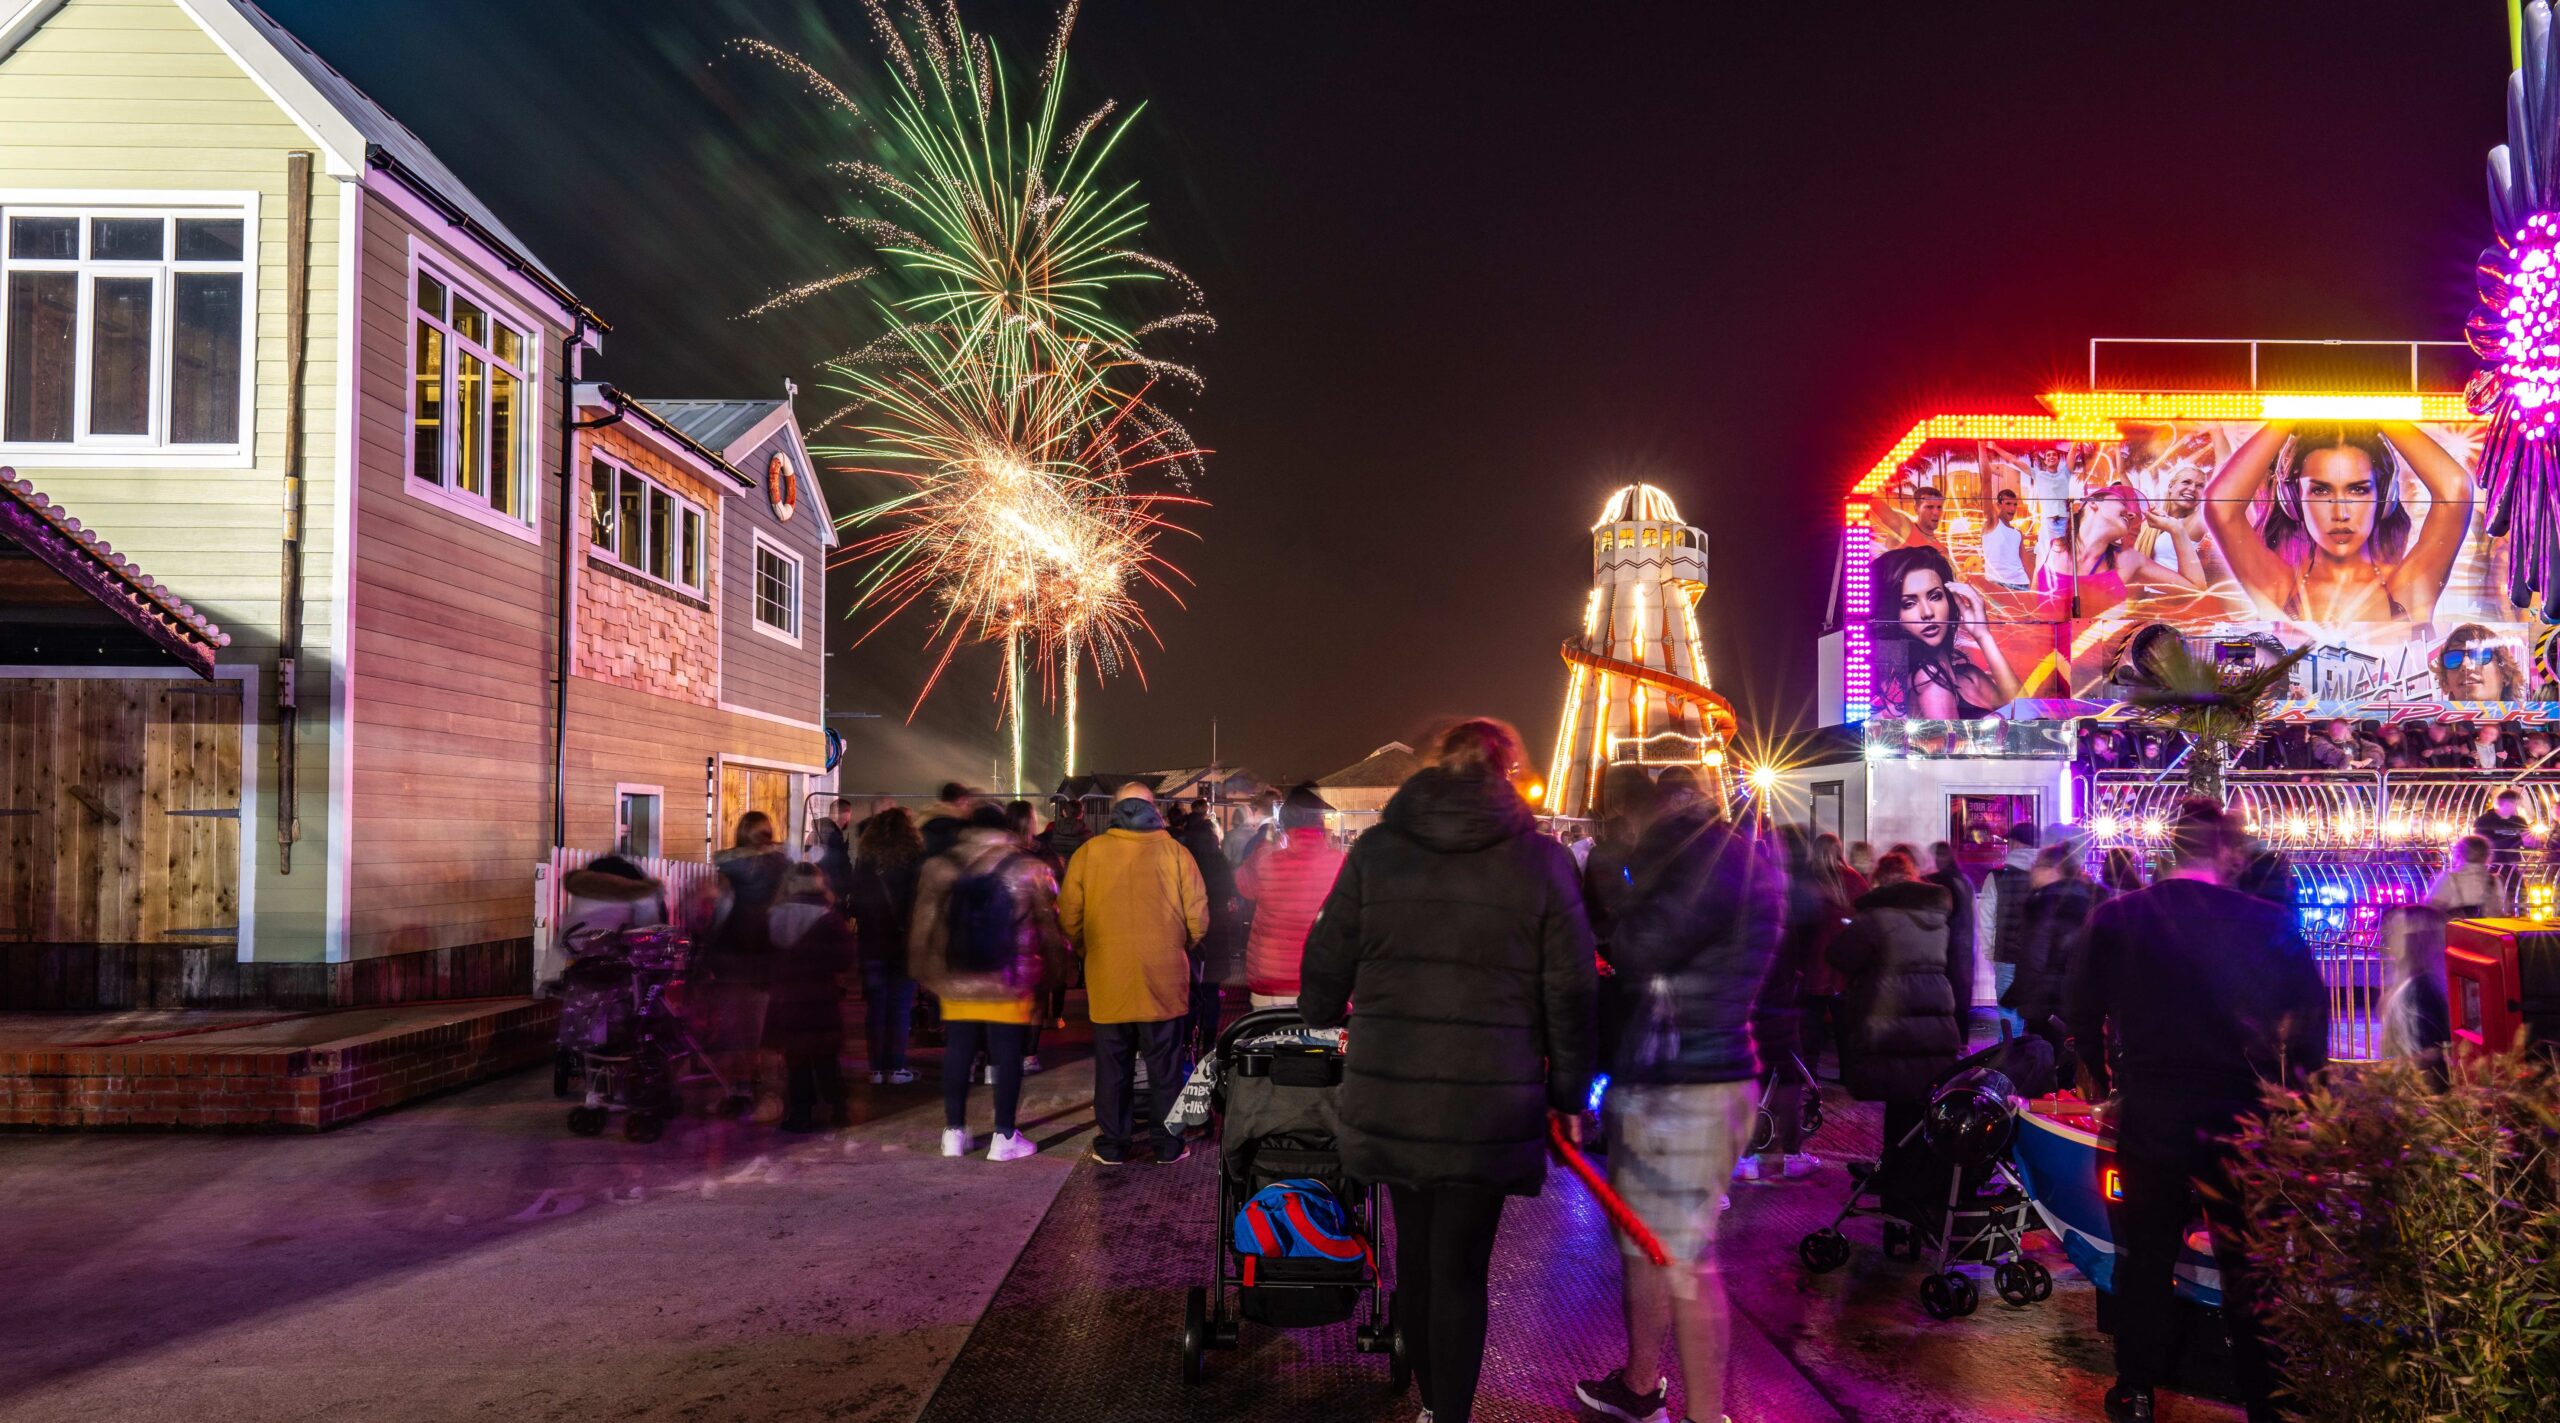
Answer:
(1287, 880)
(1900, 1030)
(1694, 941)
(1455, 937)
(881, 900)
(1134, 906)
(986, 942)
(2189, 1000)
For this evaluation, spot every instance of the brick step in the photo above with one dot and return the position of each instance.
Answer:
(298, 1072)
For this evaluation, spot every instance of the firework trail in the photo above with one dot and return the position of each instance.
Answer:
(1011, 407)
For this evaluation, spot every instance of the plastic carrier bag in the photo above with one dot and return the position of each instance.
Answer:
(1297, 1219)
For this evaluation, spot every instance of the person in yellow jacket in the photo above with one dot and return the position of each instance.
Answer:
(1133, 904)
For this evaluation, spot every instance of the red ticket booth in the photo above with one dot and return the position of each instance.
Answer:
(2502, 976)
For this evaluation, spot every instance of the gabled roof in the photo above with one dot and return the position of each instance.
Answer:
(352, 131)
(720, 424)
(709, 460)
(38, 525)
(1390, 765)
(738, 428)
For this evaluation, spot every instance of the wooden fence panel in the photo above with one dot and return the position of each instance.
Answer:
(26, 799)
(119, 810)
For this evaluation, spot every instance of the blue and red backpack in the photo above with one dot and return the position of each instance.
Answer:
(1297, 1219)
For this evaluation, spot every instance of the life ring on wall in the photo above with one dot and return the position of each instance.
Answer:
(782, 486)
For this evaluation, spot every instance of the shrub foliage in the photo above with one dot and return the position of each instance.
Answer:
(2410, 1240)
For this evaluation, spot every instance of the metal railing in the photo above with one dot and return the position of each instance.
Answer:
(551, 897)
(2416, 380)
(2419, 812)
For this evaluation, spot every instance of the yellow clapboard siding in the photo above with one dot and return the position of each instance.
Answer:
(108, 95)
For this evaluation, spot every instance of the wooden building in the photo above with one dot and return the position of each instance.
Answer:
(696, 689)
(265, 345)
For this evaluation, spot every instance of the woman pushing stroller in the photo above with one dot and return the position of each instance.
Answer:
(1458, 930)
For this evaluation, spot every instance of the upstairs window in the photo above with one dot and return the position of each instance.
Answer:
(777, 592)
(640, 524)
(125, 329)
(471, 409)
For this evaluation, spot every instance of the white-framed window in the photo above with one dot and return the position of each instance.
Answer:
(635, 521)
(472, 397)
(638, 813)
(776, 591)
(126, 331)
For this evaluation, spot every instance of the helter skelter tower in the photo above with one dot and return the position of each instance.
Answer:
(1637, 691)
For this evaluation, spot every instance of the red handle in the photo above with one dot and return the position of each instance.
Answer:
(1620, 1213)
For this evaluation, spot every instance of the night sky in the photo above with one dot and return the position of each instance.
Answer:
(1476, 265)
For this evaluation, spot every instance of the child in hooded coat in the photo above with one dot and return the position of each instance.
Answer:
(805, 1022)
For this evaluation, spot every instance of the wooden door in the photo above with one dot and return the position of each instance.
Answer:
(119, 810)
(745, 788)
(191, 823)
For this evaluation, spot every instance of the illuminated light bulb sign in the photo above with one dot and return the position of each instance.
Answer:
(2515, 329)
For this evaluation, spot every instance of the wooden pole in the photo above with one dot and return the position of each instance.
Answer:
(297, 321)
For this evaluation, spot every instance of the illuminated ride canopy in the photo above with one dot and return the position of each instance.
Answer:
(2024, 565)
(1637, 689)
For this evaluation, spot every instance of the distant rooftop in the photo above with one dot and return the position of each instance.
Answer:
(715, 424)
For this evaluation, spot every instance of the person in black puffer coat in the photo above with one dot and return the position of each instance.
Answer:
(1459, 931)
(1900, 1031)
(2060, 898)
(1692, 948)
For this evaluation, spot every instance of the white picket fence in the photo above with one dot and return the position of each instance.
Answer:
(551, 899)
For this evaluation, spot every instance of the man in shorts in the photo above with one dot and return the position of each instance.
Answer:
(1694, 944)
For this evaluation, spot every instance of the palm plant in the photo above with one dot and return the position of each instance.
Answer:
(2220, 712)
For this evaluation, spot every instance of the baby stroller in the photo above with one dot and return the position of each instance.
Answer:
(1968, 1128)
(1273, 1081)
(622, 1031)
(1764, 1120)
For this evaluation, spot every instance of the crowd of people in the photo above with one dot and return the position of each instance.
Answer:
(1489, 972)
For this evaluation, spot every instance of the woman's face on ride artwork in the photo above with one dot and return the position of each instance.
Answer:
(2105, 520)
(1926, 609)
(2340, 499)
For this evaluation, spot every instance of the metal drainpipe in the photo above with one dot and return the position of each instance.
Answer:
(569, 426)
(567, 628)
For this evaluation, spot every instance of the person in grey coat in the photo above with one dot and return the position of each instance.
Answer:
(1900, 1031)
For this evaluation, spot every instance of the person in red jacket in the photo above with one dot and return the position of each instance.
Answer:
(1287, 879)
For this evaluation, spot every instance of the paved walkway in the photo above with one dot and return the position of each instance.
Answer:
(466, 1257)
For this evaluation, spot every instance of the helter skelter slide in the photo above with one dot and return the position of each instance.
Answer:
(1637, 691)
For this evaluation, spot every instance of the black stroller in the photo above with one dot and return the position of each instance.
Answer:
(622, 1032)
(1272, 1095)
(1971, 1121)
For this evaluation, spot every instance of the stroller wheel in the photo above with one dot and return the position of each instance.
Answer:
(1812, 1113)
(586, 1121)
(643, 1127)
(1764, 1130)
(1823, 1251)
(1948, 1295)
(2018, 1281)
(1900, 1242)
(1195, 1335)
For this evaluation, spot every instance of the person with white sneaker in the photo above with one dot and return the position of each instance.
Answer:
(986, 942)
(1695, 942)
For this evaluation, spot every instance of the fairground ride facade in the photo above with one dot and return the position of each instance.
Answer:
(1636, 687)
(2003, 576)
